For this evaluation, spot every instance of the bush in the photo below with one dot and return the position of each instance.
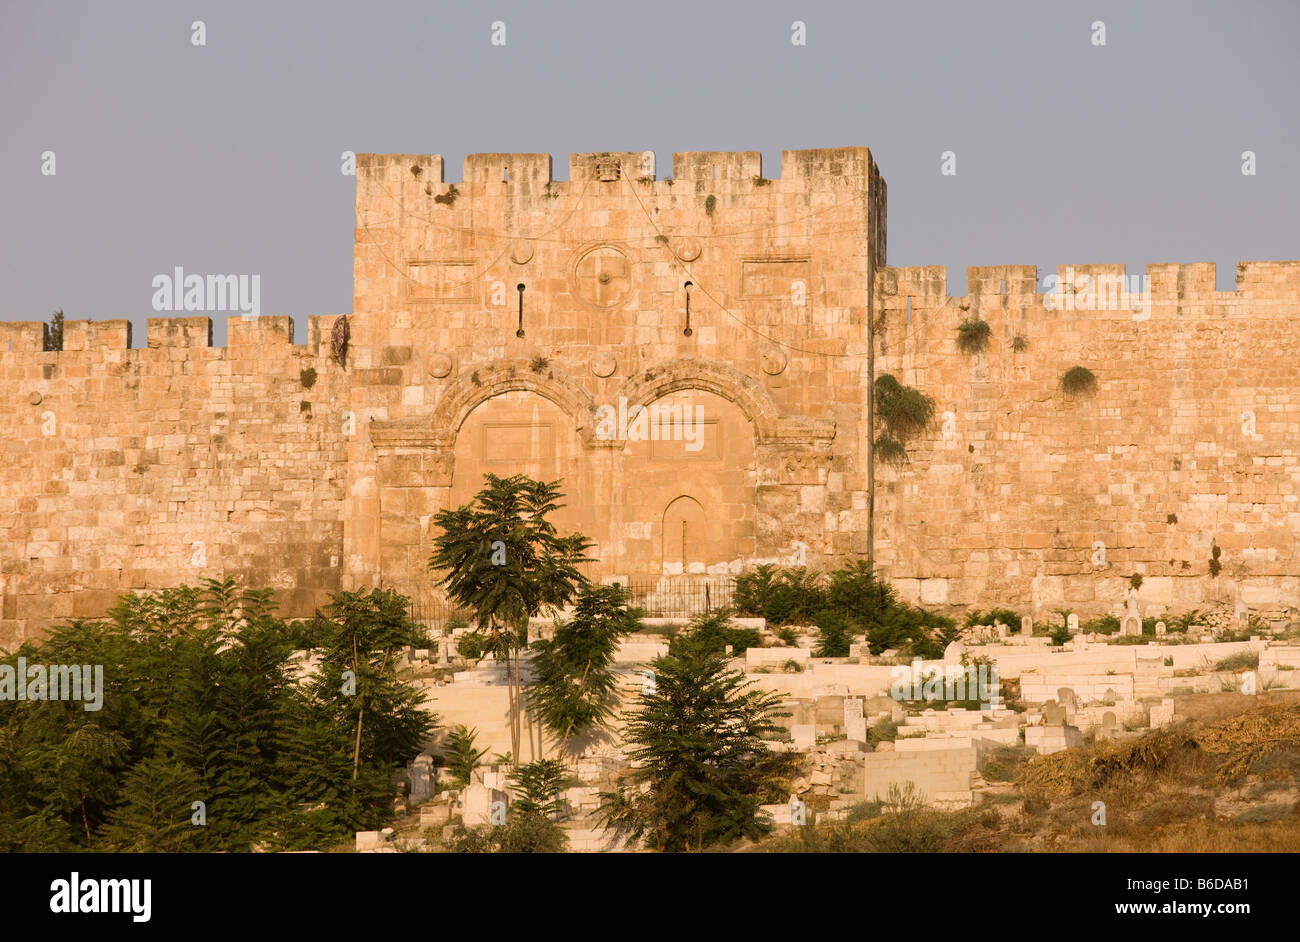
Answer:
(711, 633)
(1078, 380)
(1004, 763)
(1005, 615)
(470, 646)
(526, 832)
(906, 825)
(834, 633)
(973, 335)
(1242, 660)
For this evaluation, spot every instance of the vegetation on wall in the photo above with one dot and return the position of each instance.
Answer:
(902, 413)
(973, 335)
(1078, 381)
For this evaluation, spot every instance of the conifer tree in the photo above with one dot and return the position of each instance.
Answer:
(700, 768)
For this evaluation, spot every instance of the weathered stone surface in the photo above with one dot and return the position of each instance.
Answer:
(288, 466)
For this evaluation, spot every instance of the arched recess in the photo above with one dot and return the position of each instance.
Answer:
(683, 533)
(696, 447)
(523, 432)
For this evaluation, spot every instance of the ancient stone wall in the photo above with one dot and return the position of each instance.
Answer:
(152, 467)
(452, 380)
(1025, 495)
(509, 322)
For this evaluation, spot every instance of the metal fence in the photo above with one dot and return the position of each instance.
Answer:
(666, 597)
(681, 596)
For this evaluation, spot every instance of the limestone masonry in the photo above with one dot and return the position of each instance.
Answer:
(514, 323)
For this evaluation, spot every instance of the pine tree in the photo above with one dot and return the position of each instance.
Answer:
(700, 768)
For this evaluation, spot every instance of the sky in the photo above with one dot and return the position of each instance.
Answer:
(225, 157)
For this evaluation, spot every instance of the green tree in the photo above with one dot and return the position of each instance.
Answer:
(360, 640)
(155, 810)
(503, 559)
(700, 768)
(574, 688)
(539, 784)
(835, 632)
(459, 755)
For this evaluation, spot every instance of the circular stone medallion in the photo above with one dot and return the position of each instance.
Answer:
(774, 361)
(521, 253)
(602, 276)
(604, 364)
(687, 248)
(439, 365)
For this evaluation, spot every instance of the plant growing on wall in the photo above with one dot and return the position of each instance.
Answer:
(53, 333)
(1078, 381)
(1215, 566)
(902, 413)
(502, 559)
(973, 335)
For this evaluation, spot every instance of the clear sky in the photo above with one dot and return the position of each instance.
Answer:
(225, 158)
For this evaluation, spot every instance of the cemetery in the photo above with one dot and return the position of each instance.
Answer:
(858, 741)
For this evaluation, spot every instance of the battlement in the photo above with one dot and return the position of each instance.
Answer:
(532, 173)
(246, 336)
(1165, 284)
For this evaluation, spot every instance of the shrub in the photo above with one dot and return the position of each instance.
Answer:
(1019, 343)
(470, 646)
(902, 412)
(1215, 566)
(1078, 381)
(710, 634)
(459, 755)
(834, 633)
(906, 825)
(973, 335)
(1004, 763)
(1242, 660)
(1004, 615)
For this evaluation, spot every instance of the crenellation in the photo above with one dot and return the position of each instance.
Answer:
(258, 332)
(137, 468)
(22, 337)
(177, 332)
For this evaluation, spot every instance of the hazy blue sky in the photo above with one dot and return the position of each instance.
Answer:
(225, 158)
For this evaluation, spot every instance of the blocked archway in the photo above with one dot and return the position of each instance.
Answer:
(683, 535)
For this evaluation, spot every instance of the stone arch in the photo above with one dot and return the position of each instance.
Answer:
(770, 424)
(471, 390)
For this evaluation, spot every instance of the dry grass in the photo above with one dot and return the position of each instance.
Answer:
(1225, 780)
